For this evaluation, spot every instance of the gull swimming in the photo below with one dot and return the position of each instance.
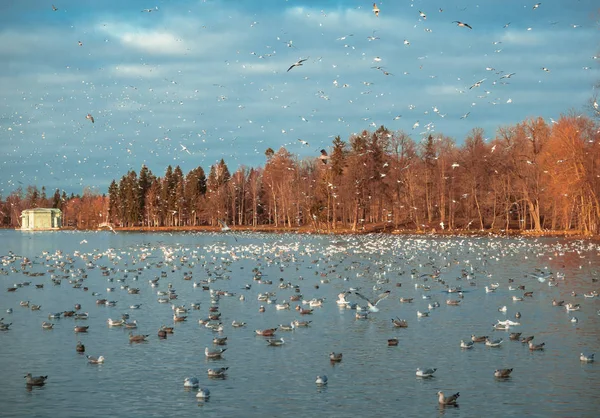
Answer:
(214, 354)
(335, 357)
(95, 360)
(503, 373)
(35, 381)
(450, 400)
(276, 342)
(493, 343)
(468, 344)
(219, 372)
(399, 323)
(425, 372)
(587, 358)
(321, 380)
(191, 382)
(203, 393)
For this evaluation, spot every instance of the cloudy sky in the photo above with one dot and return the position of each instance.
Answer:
(190, 82)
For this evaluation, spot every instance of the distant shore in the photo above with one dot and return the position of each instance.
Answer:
(348, 231)
(366, 230)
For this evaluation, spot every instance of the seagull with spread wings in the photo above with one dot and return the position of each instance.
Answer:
(226, 228)
(462, 24)
(297, 64)
(324, 157)
(477, 84)
(373, 304)
(375, 9)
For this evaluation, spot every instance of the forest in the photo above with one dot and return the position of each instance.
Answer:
(533, 176)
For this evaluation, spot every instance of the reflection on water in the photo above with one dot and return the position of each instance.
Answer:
(374, 379)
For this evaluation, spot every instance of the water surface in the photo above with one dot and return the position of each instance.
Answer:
(373, 379)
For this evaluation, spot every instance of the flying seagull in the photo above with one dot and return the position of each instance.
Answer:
(225, 227)
(373, 304)
(324, 157)
(90, 117)
(54, 8)
(535, 6)
(462, 24)
(478, 83)
(184, 148)
(423, 15)
(297, 64)
(303, 142)
(375, 9)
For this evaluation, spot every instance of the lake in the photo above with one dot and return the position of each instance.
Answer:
(373, 379)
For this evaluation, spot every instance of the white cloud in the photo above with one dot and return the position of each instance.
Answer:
(154, 42)
(520, 38)
(136, 71)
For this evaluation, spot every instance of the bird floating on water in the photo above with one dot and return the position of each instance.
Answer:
(95, 360)
(425, 372)
(191, 382)
(450, 400)
(468, 344)
(335, 357)
(35, 381)
(503, 373)
(321, 380)
(203, 393)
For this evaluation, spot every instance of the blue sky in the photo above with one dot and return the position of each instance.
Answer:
(211, 76)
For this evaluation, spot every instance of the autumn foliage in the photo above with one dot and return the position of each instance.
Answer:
(531, 176)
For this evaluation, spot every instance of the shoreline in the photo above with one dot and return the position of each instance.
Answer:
(342, 231)
(348, 231)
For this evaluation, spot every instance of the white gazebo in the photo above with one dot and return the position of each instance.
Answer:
(41, 219)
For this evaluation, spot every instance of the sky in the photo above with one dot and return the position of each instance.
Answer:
(187, 83)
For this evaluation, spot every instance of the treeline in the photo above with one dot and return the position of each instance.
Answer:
(531, 176)
(86, 211)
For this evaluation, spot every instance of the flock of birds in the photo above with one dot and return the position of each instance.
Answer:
(211, 270)
(272, 89)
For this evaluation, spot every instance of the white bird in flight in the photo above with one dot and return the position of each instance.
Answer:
(184, 148)
(297, 64)
(373, 304)
(375, 9)
(478, 83)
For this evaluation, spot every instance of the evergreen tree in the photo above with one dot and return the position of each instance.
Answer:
(113, 203)
(56, 200)
(144, 181)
